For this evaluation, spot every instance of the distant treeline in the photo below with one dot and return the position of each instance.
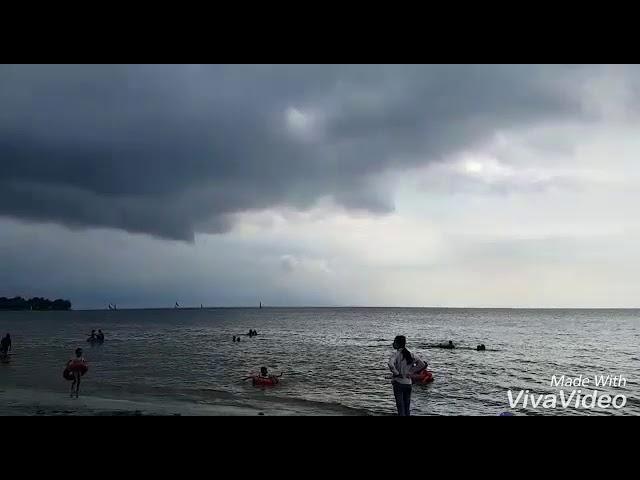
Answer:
(36, 303)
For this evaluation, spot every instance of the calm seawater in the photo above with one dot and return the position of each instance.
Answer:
(333, 359)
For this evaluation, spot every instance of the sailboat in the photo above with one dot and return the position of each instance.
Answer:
(177, 306)
(260, 304)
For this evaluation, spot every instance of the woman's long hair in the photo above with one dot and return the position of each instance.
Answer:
(401, 341)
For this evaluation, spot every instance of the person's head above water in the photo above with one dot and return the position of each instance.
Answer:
(78, 352)
(263, 371)
(450, 342)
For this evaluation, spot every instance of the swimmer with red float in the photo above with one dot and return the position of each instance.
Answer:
(264, 378)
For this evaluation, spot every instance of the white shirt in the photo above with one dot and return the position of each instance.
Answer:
(401, 369)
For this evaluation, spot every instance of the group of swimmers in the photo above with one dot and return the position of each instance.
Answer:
(252, 333)
(96, 337)
(451, 346)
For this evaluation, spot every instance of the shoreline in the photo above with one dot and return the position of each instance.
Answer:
(27, 402)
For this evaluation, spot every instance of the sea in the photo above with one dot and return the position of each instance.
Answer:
(333, 361)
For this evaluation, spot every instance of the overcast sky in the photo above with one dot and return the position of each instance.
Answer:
(418, 185)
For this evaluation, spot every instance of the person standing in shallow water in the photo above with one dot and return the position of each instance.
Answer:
(402, 365)
(78, 367)
(5, 345)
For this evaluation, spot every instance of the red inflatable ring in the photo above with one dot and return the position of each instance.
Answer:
(425, 376)
(79, 366)
(258, 380)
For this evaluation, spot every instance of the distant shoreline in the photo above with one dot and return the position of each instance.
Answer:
(38, 304)
(342, 307)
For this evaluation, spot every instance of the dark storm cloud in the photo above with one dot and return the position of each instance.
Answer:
(174, 150)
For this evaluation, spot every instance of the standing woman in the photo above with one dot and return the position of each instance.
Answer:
(402, 365)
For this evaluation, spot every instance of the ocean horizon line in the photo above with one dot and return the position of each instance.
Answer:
(388, 307)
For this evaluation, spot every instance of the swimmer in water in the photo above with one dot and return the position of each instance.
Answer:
(264, 373)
